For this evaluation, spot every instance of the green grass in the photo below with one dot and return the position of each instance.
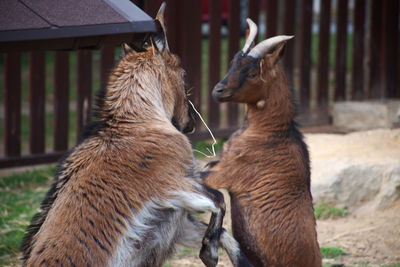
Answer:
(202, 146)
(325, 211)
(331, 253)
(20, 197)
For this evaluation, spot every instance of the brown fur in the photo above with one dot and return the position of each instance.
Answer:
(132, 154)
(265, 168)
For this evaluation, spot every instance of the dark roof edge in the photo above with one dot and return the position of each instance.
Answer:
(128, 10)
(77, 31)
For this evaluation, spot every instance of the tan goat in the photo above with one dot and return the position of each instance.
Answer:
(265, 164)
(124, 196)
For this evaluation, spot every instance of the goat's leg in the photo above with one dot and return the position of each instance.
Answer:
(232, 248)
(209, 249)
(211, 200)
(194, 231)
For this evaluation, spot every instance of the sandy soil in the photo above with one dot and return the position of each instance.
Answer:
(369, 239)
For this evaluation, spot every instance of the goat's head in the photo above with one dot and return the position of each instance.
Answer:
(154, 58)
(251, 70)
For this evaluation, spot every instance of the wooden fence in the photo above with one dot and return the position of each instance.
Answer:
(343, 50)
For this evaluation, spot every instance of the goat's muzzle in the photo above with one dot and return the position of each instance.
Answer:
(191, 125)
(220, 93)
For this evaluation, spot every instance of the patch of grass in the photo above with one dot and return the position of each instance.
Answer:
(20, 197)
(325, 211)
(331, 253)
(27, 179)
(202, 146)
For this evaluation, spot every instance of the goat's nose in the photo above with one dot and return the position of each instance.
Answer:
(218, 89)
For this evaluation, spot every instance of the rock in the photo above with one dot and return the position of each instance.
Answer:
(366, 115)
(358, 171)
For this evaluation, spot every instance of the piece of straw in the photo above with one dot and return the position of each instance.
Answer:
(212, 152)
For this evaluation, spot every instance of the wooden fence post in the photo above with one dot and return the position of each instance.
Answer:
(341, 48)
(61, 100)
(214, 59)
(358, 50)
(305, 54)
(84, 94)
(37, 102)
(12, 97)
(233, 48)
(323, 54)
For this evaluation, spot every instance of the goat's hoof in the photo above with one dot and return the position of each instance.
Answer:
(209, 251)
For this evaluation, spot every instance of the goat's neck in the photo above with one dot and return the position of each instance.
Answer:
(129, 99)
(278, 111)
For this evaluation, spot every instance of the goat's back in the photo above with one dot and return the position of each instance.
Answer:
(103, 187)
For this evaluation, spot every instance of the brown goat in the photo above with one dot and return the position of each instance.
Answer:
(125, 195)
(265, 164)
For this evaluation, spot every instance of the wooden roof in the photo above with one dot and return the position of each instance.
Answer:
(36, 24)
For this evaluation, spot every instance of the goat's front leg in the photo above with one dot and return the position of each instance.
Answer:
(204, 200)
(211, 239)
(213, 234)
(194, 231)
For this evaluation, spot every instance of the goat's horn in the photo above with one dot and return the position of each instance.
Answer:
(251, 37)
(267, 45)
(163, 42)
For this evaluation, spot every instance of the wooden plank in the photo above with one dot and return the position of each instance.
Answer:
(214, 59)
(12, 98)
(254, 13)
(398, 54)
(25, 160)
(61, 100)
(272, 18)
(323, 53)
(151, 7)
(190, 46)
(305, 55)
(37, 102)
(173, 11)
(233, 48)
(289, 29)
(358, 48)
(390, 47)
(374, 86)
(106, 63)
(84, 98)
(341, 48)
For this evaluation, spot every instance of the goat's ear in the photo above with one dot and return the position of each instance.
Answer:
(160, 36)
(126, 49)
(276, 54)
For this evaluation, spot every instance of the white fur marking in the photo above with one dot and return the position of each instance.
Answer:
(156, 228)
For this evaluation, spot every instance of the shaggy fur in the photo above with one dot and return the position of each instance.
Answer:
(265, 168)
(124, 195)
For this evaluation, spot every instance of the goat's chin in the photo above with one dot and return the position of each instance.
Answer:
(222, 98)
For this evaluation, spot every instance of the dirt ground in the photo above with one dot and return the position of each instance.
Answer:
(369, 239)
